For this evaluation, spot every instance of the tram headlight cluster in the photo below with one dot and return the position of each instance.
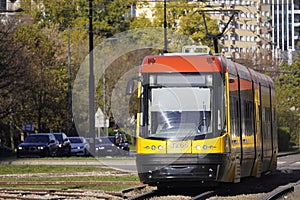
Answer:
(153, 147)
(204, 147)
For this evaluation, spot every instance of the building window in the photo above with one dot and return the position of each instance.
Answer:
(2, 4)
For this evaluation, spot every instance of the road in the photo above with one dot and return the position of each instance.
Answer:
(290, 161)
(286, 161)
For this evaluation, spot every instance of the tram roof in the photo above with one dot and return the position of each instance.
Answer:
(181, 63)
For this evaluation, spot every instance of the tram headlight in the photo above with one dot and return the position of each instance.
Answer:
(210, 172)
(227, 146)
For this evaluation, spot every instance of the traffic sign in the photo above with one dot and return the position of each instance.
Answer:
(100, 120)
(28, 127)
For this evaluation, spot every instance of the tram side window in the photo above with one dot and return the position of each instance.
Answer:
(247, 118)
(268, 120)
(274, 117)
(234, 116)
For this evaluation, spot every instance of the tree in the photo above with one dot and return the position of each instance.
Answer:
(32, 81)
(12, 79)
(181, 17)
(109, 17)
(288, 94)
(140, 22)
(46, 79)
(11, 66)
(192, 24)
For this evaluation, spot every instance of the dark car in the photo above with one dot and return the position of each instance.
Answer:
(79, 146)
(38, 145)
(105, 146)
(64, 144)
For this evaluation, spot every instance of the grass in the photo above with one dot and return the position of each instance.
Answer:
(32, 169)
(25, 169)
(75, 178)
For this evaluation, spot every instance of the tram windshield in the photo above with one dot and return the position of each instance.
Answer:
(180, 110)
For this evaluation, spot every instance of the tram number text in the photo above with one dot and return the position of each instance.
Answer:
(179, 145)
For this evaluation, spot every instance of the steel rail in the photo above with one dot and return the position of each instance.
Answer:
(280, 191)
(145, 195)
(204, 195)
(158, 193)
(276, 194)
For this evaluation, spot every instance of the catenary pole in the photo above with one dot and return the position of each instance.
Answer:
(91, 79)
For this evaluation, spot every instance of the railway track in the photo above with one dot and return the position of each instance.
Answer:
(61, 183)
(281, 192)
(237, 191)
(38, 194)
(277, 194)
(141, 192)
(170, 195)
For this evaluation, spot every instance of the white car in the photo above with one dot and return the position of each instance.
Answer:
(79, 146)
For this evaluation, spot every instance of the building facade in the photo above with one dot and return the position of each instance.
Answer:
(286, 28)
(249, 35)
(7, 6)
(263, 30)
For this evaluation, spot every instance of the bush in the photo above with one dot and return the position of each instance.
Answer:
(283, 139)
(6, 152)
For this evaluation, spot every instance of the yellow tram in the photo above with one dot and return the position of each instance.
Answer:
(203, 119)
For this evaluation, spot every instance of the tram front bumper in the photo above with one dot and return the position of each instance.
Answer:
(156, 168)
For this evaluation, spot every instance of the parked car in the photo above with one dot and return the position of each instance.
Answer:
(38, 145)
(64, 144)
(105, 146)
(79, 146)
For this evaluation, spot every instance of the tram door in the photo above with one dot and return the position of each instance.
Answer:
(241, 124)
(247, 126)
(236, 147)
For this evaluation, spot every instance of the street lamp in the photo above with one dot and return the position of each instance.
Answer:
(165, 27)
(104, 85)
(70, 116)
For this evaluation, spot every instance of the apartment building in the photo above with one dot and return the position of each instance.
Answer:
(263, 30)
(249, 34)
(286, 28)
(9, 6)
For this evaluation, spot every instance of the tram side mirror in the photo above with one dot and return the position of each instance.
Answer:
(130, 86)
